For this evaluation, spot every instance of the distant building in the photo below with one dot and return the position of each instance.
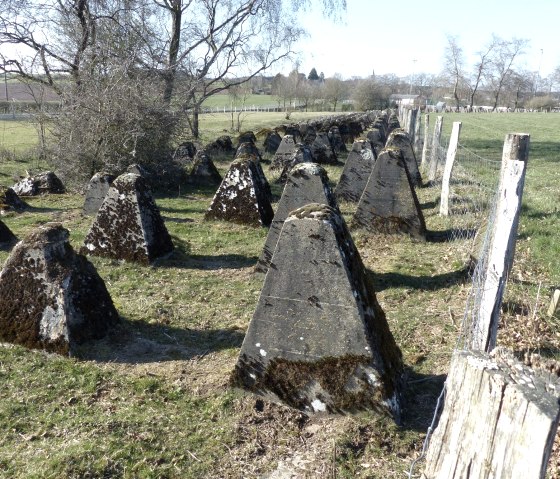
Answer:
(408, 101)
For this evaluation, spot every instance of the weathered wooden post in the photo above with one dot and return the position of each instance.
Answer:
(417, 139)
(424, 161)
(450, 159)
(434, 156)
(499, 420)
(411, 123)
(554, 303)
(502, 241)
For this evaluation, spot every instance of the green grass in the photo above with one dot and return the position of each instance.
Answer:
(152, 399)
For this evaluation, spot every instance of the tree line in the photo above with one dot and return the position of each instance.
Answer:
(132, 74)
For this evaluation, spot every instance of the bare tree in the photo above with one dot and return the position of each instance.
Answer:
(335, 90)
(368, 94)
(503, 57)
(453, 65)
(484, 58)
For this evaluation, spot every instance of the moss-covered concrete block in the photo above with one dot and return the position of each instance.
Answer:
(318, 340)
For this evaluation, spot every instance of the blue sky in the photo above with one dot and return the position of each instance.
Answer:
(408, 36)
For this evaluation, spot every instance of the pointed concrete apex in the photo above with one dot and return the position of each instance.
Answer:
(389, 203)
(10, 201)
(318, 340)
(399, 138)
(203, 171)
(96, 191)
(355, 174)
(128, 225)
(284, 153)
(7, 238)
(307, 183)
(242, 196)
(50, 297)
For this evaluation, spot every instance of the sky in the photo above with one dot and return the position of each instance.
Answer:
(407, 37)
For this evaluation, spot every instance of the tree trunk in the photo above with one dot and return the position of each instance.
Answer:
(169, 78)
(195, 121)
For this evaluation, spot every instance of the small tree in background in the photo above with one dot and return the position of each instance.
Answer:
(313, 75)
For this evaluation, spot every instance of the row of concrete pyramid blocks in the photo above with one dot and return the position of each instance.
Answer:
(383, 187)
(323, 246)
(52, 298)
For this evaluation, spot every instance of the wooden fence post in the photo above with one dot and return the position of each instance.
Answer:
(450, 159)
(417, 139)
(502, 241)
(499, 420)
(411, 123)
(424, 161)
(554, 303)
(434, 157)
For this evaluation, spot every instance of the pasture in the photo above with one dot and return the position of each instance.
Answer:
(152, 400)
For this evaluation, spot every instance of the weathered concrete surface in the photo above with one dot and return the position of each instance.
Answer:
(336, 141)
(389, 203)
(318, 340)
(203, 171)
(96, 190)
(185, 153)
(284, 153)
(321, 149)
(241, 197)
(138, 169)
(247, 147)
(272, 142)
(221, 146)
(261, 177)
(50, 297)
(128, 225)
(375, 138)
(355, 174)
(10, 201)
(40, 184)
(399, 138)
(301, 154)
(393, 123)
(307, 183)
(7, 238)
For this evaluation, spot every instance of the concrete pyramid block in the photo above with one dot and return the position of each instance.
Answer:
(389, 203)
(355, 174)
(203, 171)
(375, 138)
(40, 184)
(318, 340)
(128, 225)
(50, 297)
(7, 238)
(284, 153)
(307, 183)
(399, 138)
(242, 197)
(256, 159)
(96, 190)
(301, 154)
(322, 150)
(10, 201)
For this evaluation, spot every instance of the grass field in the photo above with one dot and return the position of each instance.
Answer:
(152, 400)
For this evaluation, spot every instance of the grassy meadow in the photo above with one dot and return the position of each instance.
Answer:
(152, 399)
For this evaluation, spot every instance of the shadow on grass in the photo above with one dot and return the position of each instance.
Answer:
(420, 399)
(137, 342)
(383, 281)
(451, 234)
(182, 258)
